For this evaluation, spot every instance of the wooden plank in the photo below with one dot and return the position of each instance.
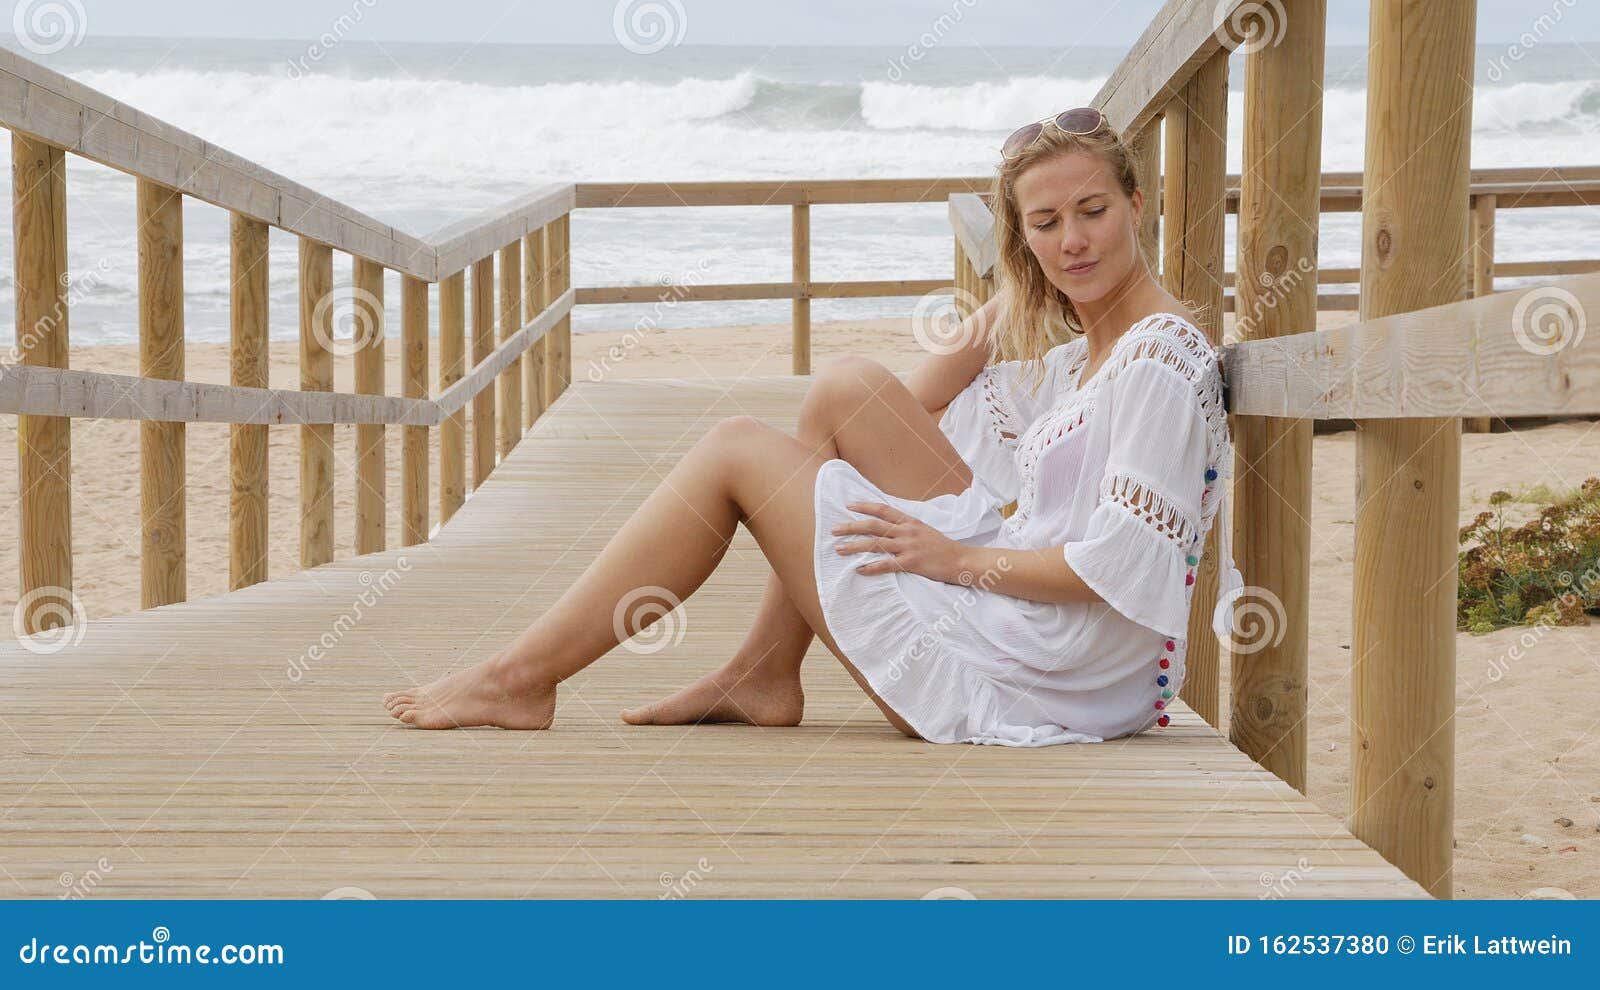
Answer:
(974, 228)
(509, 383)
(1183, 36)
(1277, 296)
(1482, 276)
(1514, 353)
(457, 395)
(463, 243)
(533, 359)
(452, 365)
(558, 279)
(265, 767)
(366, 289)
(483, 404)
(316, 375)
(248, 367)
(163, 492)
(800, 256)
(44, 442)
(773, 192)
(1414, 231)
(1196, 125)
(414, 385)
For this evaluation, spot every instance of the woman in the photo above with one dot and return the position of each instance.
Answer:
(882, 518)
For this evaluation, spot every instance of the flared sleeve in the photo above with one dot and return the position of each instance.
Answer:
(1142, 540)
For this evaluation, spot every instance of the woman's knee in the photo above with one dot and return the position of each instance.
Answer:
(843, 384)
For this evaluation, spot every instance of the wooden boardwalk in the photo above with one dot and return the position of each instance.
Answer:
(198, 750)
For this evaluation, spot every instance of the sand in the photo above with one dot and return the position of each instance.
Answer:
(1526, 751)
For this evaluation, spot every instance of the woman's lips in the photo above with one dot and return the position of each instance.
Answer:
(1081, 269)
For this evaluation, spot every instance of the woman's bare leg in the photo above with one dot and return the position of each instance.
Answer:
(858, 410)
(742, 470)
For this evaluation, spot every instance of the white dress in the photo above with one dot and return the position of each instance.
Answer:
(1124, 472)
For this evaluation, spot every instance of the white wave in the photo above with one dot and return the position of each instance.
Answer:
(980, 106)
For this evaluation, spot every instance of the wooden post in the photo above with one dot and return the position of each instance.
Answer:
(482, 346)
(162, 467)
(1408, 471)
(1194, 203)
(248, 368)
(452, 367)
(533, 359)
(44, 443)
(1276, 295)
(316, 375)
(1483, 207)
(366, 285)
(1147, 150)
(414, 385)
(510, 380)
(801, 249)
(558, 278)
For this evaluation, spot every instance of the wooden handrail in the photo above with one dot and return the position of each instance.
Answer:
(41, 391)
(1477, 357)
(1179, 39)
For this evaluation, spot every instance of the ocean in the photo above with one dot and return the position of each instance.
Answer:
(420, 135)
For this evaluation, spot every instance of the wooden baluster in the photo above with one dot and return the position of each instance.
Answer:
(558, 278)
(1408, 471)
(482, 346)
(1146, 147)
(452, 368)
(44, 443)
(366, 288)
(1276, 293)
(1483, 208)
(414, 385)
(162, 491)
(1194, 204)
(510, 381)
(316, 375)
(534, 271)
(249, 364)
(800, 226)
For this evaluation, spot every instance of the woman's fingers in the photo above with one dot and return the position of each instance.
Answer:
(879, 509)
(863, 527)
(877, 545)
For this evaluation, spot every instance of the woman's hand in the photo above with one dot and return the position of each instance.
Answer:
(917, 548)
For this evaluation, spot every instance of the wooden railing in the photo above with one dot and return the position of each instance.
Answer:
(51, 116)
(1418, 362)
(1407, 373)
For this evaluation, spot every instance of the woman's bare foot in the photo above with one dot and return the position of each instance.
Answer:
(488, 693)
(738, 692)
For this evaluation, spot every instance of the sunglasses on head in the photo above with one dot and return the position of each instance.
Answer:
(1079, 120)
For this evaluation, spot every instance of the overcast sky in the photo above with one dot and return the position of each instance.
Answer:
(741, 22)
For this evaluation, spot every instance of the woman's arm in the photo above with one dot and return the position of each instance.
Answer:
(938, 378)
(1040, 575)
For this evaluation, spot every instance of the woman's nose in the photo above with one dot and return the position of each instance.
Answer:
(1072, 239)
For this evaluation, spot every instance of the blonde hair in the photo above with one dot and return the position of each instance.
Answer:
(1033, 315)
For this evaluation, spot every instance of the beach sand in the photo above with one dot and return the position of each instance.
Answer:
(1526, 752)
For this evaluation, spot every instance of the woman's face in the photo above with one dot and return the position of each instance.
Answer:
(1079, 224)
